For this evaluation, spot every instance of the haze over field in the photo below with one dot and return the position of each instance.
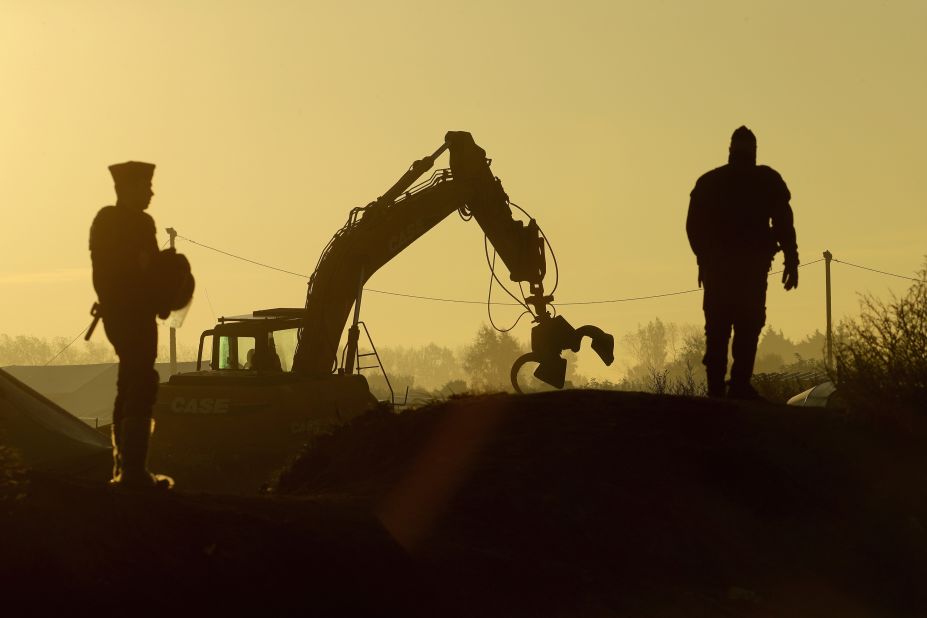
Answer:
(269, 121)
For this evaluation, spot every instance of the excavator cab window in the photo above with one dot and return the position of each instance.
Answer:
(270, 359)
(236, 353)
(283, 344)
(228, 352)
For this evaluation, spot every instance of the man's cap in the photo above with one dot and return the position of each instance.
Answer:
(132, 172)
(743, 139)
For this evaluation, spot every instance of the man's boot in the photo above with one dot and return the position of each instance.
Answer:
(135, 432)
(744, 352)
(743, 390)
(717, 336)
(715, 382)
(715, 361)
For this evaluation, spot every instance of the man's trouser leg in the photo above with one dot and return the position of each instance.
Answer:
(718, 322)
(749, 320)
(743, 350)
(141, 383)
(135, 338)
(118, 416)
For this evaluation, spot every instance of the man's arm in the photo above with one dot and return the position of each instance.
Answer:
(783, 230)
(696, 226)
(695, 220)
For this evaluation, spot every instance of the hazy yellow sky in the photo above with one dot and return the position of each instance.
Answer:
(269, 120)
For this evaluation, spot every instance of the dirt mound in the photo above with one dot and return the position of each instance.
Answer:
(580, 503)
(70, 548)
(601, 502)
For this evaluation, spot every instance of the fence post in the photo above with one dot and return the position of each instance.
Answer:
(172, 233)
(828, 256)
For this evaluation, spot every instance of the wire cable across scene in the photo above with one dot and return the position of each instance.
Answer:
(874, 270)
(243, 259)
(62, 350)
(489, 302)
(518, 303)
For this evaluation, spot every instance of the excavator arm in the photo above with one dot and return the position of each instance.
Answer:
(376, 233)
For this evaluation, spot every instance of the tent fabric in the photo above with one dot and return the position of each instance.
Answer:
(52, 379)
(46, 436)
(87, 391)
(815, 397)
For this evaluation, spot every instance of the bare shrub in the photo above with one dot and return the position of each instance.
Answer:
(658, 380)
(687, 384)
(881, 356)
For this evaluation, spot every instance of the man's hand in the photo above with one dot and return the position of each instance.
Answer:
(790, 275)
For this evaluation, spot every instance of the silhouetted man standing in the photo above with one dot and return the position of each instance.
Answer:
(739, 218)
(124, 253)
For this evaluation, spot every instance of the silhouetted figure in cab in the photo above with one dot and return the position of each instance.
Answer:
(134, 282)
(739, 218)
(265, 359)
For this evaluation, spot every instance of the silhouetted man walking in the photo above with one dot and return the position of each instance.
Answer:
(124, 253)
(739, 218)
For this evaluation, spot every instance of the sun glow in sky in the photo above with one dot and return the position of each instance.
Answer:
(270, 120)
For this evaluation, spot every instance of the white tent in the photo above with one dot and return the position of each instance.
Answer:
(86, 391)
(815, 397)
(46, 436)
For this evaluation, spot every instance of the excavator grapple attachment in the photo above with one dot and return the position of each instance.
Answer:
(552, 370)
(549, 338)
(603, 344)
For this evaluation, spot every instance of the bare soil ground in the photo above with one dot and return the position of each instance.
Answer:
(577, 503)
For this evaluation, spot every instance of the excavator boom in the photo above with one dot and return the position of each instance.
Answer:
(376, 233)
(373, 236)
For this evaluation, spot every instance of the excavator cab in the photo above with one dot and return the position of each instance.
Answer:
(265, 342)
(229, 425)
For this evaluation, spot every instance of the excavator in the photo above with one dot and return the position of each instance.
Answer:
(278, 375)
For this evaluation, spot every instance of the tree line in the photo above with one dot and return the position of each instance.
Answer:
(31, 350)
(880, 358)
(482, 365)
(664, 358)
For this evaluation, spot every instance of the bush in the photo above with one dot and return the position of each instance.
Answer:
(881, 357)
(13, 481)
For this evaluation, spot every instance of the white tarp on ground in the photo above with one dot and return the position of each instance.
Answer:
(47, 436)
